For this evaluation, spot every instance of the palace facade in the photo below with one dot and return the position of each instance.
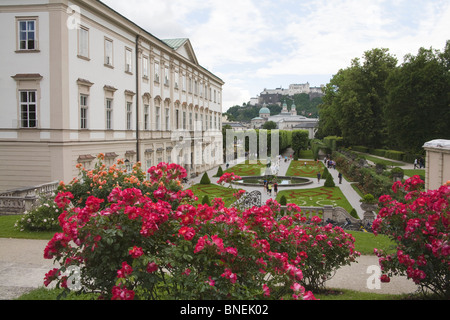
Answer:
(78, 79)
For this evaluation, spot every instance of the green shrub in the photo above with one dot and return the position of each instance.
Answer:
(378, 152)
(205, 179)
(219, 172)
(361, 149)
(283, 200)
(394, 155)
(333, 142)
(329, 182)
(43, 217)
(205, 200)
(354, 214)
(325, 173)
(368, 198)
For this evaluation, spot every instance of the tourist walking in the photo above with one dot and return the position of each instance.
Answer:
(318, 177)
(275, 188)
(340, 178)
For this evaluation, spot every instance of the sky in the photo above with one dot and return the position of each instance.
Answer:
(256, 44)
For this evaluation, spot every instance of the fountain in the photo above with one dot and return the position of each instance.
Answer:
(283, 181)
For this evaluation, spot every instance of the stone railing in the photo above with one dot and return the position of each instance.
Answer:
(19, 200)
(337, 214)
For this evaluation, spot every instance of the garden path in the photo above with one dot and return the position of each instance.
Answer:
(23, 267)
(351, 195)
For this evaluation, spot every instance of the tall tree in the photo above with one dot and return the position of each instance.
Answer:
(419, 100)
(355, 99)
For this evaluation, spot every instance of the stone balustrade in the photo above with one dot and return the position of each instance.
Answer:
(19, 200)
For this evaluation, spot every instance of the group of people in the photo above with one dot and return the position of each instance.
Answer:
(329, 163)
(269, 186)
(419, 163)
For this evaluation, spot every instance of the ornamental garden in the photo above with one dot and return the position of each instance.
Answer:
(127, 235)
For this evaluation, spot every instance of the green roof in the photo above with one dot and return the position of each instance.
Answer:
(264, 110)
(175, 43)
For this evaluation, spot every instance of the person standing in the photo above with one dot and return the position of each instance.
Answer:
(275, 189)
(340, 178)
(318, 177)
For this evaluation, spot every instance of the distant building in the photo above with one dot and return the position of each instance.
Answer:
(286, 120)
(276, 96)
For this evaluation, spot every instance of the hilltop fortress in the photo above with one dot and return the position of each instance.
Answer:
(276, 96)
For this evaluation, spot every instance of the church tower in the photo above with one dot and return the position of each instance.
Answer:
(285, 108)
(293, 110)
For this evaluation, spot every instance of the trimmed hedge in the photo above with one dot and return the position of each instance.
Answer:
(219, 172)
(329, 183)
(333, 142)
(360, 149)
(394, 155)
(378, 152)
(205, 179)
(368, 180)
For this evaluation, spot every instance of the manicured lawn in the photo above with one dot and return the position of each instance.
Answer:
(7, 230)
(214, 191)
(413, 172)
(316, 197)
(333, 294)
(248, 169)
(388, 163)
(365, 242)
(308, 169)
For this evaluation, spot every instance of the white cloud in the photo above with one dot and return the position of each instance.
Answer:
(252, 44)
(232, 33)
(336, 32)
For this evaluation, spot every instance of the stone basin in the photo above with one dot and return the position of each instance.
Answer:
(283, 181)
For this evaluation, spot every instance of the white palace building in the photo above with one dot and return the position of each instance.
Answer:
(78, 79)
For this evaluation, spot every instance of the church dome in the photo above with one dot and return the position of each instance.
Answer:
(264, 111)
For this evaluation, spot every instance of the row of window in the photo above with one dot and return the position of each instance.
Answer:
(180, 117)
(28, 42)
(187, 82)
(28, 115)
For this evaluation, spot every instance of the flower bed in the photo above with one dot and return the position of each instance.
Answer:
(155, 244)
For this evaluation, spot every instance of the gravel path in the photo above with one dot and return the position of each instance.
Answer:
(22, 268)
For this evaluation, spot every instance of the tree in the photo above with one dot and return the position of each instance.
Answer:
(269, 125)
(300, 140)
(355, 99)
(219, 172)
(205, 179)
(329, 182)
(418, 97)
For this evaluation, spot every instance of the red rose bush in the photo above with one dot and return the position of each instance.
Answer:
(419, 224)
(152, 242)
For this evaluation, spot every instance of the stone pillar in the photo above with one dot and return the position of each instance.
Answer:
(328, 213)
(437, 166)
